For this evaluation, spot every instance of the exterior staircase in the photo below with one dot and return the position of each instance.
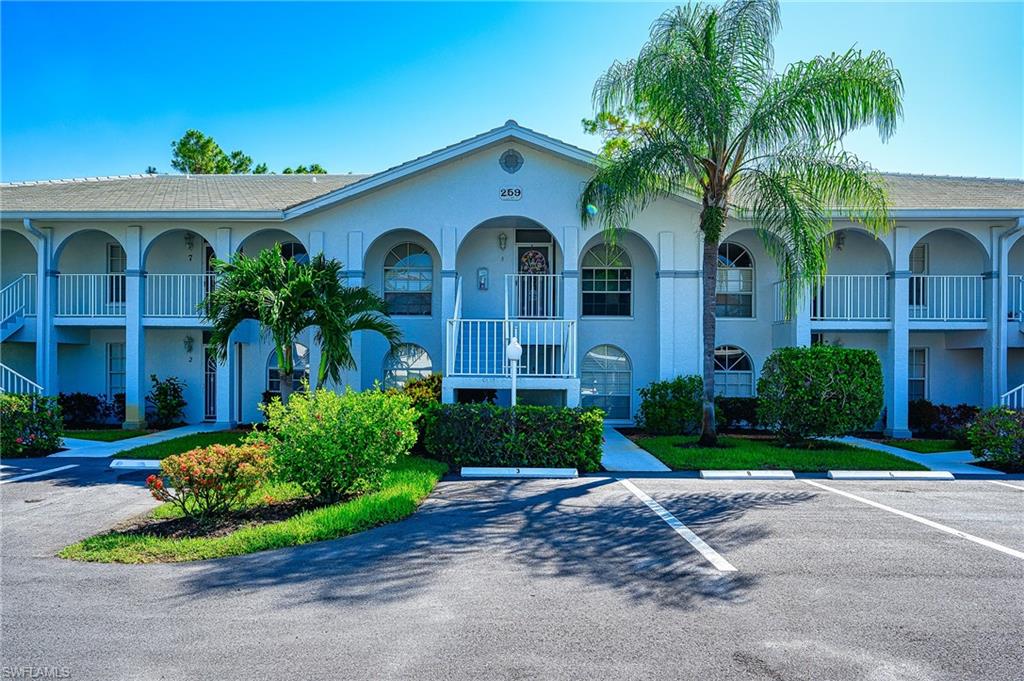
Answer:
(1014, 399)
(12, 307)
(13, 382)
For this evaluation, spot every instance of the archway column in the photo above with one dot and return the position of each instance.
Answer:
(666, 306)
(996, 352)
(226, 370)
(46, 305)
(356, 277)
(134, 332)
(449, 286)
(896, 389)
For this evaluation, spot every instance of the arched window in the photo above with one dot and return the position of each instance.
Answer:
(606, 381)
(735, 289)
(734, 372)
(300, 369)
(408, 279)
(406, 362)
(606, 276)
(293, 250)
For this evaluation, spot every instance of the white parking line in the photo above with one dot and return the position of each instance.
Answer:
(924, 521)
(1006, 484)
(682, 530)
(37, 474)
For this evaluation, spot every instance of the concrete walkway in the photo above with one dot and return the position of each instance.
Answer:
(957, 463)
(621, 454)
(91, 449)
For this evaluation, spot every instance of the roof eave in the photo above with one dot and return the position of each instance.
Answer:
(147, 215)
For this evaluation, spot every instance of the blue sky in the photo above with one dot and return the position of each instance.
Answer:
(102, 89)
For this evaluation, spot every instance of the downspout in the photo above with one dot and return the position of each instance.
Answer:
(1002, 344)
(44, 329)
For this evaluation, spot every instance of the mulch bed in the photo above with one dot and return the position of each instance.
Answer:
(183, 528)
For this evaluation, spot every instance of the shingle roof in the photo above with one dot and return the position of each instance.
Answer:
(170, 193)
(938, 192)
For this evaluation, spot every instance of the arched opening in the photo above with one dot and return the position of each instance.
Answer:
(510, 261)
(18, 268)
(856, 284)
(92, 265)
(291, 245)
(408, 277)
(606, 282)
(179, 273)
(404, 363)
(734, 290)
(606, 382)
(734, 372)
(1015, 280)
(946, 280)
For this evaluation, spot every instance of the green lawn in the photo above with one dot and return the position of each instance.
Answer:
(739, 453)
(105, 434)
(924, 446)
(161, 450)
(404, 488)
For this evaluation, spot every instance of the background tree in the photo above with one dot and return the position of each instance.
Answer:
(312, 169)
(285, 297)
(702, 112)
(200, 154)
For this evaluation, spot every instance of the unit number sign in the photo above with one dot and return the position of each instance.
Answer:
(510, 193)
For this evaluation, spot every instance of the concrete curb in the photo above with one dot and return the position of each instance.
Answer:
(136, 464)
(494, 472)
(748, 475)
(890, 475)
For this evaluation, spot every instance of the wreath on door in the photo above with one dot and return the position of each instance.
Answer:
(533, 262)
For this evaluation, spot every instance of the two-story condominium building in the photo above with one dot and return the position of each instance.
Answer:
(482, 241)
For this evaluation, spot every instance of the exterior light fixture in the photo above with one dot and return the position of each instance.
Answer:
(514, 352)
(189, 343)
(502, 240)
(189, 240)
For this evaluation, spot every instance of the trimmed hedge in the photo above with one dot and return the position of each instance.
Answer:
(488, 435)
(30, 425)
(736, 412)
(941, 421)
(671, 407)
(819, 391)
(997, 436)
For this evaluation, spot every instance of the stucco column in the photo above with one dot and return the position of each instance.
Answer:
(899, 336)
(449, 286)
(666, 284)
(316, 247)
(994, 301)
(226, 370)
(134, 332)
(355, 276)
(46, 307)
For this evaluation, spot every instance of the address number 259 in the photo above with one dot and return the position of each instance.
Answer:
(510, 193)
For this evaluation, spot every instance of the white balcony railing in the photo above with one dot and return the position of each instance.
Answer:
(863, 297)
(1015, 296)
(946, 297)
(533, 296)
(12, 300)
(478, 347)
(90, 295)
(176, 295)
(13, 382)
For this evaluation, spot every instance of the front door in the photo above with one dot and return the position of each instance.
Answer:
(209, 380)
(535, 289)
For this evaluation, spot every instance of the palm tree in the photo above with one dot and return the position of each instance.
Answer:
(285, 297)
(701, 112)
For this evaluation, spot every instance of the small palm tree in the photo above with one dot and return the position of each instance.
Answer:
(286, 297)
(702, 112)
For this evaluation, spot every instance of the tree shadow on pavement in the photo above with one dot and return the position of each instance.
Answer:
(588, 533)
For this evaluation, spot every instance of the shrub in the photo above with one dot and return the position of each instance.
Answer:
(819, 391)
(424, 392)
(997, 436)
(671, 407)
(736, 412)
(487, 435)
(211, 480)
(941, 420)
(335, 445)
(83, 409)
(30, 425)
(117, 408)
(168, 400)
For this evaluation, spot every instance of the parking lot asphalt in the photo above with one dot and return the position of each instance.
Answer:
(543, 579)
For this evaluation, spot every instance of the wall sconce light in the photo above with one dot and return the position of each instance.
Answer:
(502, 240)
(189, 344)
(190, 240)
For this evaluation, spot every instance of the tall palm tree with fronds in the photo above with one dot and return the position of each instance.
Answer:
(285, 297)
(701, 112)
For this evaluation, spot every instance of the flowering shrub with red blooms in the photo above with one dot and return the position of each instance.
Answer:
(334, 445)
(211, 480)
(30, 425)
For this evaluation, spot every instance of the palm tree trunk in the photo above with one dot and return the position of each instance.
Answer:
(286, 373)
(712, 219)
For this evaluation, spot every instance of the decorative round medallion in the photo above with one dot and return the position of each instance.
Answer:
(511, 161)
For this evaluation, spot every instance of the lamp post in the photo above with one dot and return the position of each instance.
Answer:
(514, 352)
